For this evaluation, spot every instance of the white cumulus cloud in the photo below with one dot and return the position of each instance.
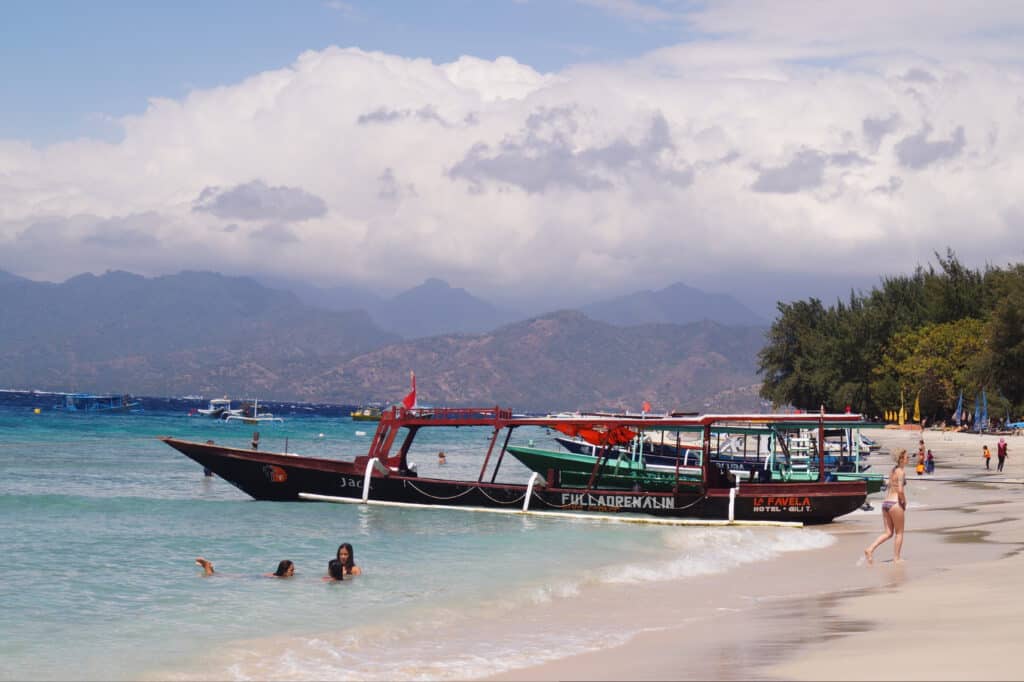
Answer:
(801, 139)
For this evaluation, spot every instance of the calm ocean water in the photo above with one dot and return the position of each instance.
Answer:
(101, 523)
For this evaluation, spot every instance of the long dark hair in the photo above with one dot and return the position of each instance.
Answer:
(335, 569)
(351, 556)
(282, 568)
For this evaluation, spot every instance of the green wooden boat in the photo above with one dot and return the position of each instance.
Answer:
(625, 470)
(621, 471)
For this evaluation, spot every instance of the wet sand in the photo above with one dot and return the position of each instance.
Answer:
(951, 610)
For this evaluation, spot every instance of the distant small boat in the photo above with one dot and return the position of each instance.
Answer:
(219, 408)
(250, 414)
(91, 402)
(366, 414)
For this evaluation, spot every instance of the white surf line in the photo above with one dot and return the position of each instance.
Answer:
(589, 516)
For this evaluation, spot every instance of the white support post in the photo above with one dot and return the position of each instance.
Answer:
(732, 504)
(534, 478)
(370, 466)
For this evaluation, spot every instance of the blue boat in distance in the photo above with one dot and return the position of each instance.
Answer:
(91, 402)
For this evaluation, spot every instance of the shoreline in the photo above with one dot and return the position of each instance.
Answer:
(824, 613)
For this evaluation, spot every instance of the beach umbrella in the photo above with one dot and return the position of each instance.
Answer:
(959, 412)
(903, 410)
(917, 407)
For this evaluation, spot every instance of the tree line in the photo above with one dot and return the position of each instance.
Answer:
(928, 336)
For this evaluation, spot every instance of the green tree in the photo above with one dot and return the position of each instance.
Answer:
(794, 362)
(1002, 363)
(861, 352)
(935, 362)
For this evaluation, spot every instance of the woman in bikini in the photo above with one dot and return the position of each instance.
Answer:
(893, 509)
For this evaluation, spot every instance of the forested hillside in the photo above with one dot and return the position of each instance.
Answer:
(942, 330)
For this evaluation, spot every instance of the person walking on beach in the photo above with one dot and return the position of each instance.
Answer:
(987, 455)
(893, 510)
(929, 463)
(1001, 454)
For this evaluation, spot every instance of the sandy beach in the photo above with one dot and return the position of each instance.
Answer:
(951, 610)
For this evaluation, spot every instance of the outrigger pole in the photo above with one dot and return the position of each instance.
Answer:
(589, 516)
(821, 445)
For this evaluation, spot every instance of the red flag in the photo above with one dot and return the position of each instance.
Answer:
(647, 406)
(409, 401)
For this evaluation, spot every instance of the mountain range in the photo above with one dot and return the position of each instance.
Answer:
(201, 332)
(434, 307)
(565, 360)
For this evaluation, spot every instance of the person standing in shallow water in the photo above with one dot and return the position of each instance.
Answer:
(893, 510)
(1001, 454)
(346, 556)
(987, 455)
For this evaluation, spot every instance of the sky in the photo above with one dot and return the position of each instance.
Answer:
(537, 153)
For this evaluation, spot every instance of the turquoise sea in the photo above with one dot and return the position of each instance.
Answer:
(101, 522)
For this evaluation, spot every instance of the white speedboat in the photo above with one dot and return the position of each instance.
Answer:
(250, 414)
(219, 408)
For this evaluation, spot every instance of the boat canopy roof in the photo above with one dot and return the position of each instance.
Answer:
(618, 427)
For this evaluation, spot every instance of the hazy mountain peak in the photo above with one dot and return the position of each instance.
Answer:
(677, 303)
(8, 277)
(434, 283)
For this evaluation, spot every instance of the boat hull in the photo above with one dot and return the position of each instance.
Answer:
(282, 477)
(574, 470)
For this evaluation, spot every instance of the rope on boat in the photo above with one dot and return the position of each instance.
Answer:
(509, 503)
(435, 497)
(589, 516)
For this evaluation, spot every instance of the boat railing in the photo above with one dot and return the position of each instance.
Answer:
(446, 415)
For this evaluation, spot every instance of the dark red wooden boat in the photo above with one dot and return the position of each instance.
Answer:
(382, 475)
